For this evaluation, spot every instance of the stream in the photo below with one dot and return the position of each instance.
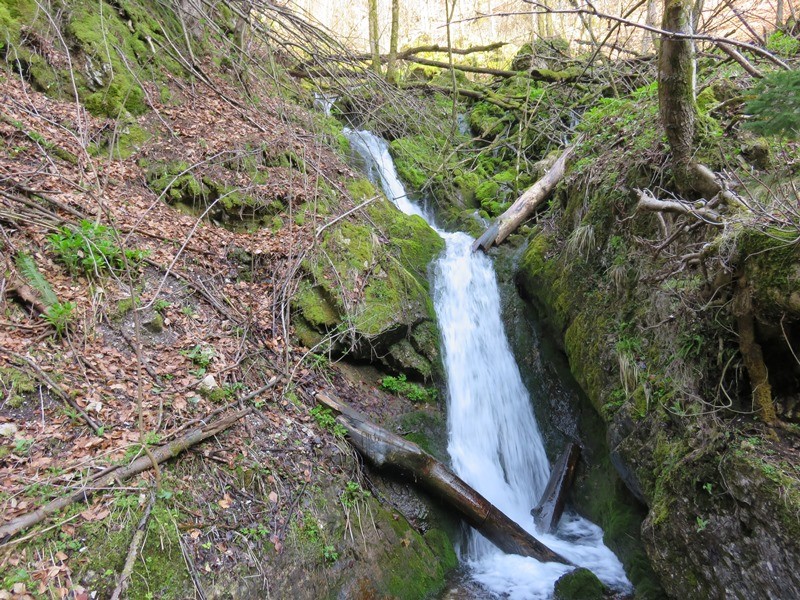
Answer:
(493, 438)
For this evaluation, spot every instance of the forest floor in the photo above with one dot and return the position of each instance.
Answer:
(86, 388)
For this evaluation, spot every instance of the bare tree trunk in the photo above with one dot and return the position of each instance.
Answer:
(374, 46)
(650, 37)
(676, 83)
(384, 448)
(391, 73)
(779, 14)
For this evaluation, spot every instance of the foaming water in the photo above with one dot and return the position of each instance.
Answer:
(494, 441)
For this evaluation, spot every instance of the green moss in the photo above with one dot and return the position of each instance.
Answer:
(427, 429)
(315, 308)
(487, 120)
(411, 570)
(580, 584)
(160, 571)
(442, 547)
(16, 384)
(387, 262)
(415, 158)
(770, 261)
(361, 189)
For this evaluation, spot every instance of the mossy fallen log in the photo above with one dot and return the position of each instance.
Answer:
(383, 448)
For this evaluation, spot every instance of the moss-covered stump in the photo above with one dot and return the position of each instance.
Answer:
(366, 293)
(580, 584)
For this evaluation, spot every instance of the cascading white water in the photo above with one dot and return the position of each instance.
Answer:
(494, 442)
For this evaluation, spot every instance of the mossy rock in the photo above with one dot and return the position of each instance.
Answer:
(580, 584)
(389, 317)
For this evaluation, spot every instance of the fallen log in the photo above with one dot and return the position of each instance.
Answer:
(108, 477)
(547, 512)
(525, 205)
(383, 448)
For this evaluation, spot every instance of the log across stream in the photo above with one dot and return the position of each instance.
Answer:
(493, 438)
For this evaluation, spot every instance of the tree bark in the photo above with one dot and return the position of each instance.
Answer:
(525, 205)
(548, 512)
(676, 84)
(374, 46)
(383, 448)
(394, 33)
(752, 356)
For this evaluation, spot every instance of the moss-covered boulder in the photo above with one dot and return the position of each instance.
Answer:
(580, 584)
(366, 293)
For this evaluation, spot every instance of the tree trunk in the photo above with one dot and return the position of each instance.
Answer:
(525, 205)
(676, 100)
(374, 46)
(650, 37)
(383, 448)
(676, 85)
(391, 73)
(547, 513)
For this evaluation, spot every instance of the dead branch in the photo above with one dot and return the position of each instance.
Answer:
(739, 58)
(648, 202)
(107, 479)
(47, 380)
(136, 543)
(536, 74)
(525, 205)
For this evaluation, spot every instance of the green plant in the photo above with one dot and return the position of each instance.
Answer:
(160, 305)
(91, 249)
(782, 43)
(200, 355)
(329, 553)
(26, 266)
(775, 108)
(691, 346)
(60, 315)
(353, 493)
(708, 488)
(325, 419)
(413, 391)
(22, 446)
(701, 524)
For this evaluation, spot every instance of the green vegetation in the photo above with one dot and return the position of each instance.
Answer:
(16, 385)
(775, 107)
(326, 419)
(580, 584)
(91, 249)
(413, 391)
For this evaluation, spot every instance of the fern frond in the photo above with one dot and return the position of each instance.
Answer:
(26, 266)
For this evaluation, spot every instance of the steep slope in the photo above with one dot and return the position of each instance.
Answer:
(168, 204)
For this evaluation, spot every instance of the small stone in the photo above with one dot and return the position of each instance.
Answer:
(8, 429)
(208, 383)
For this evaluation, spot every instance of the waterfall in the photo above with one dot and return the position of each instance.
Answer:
(494, 441)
